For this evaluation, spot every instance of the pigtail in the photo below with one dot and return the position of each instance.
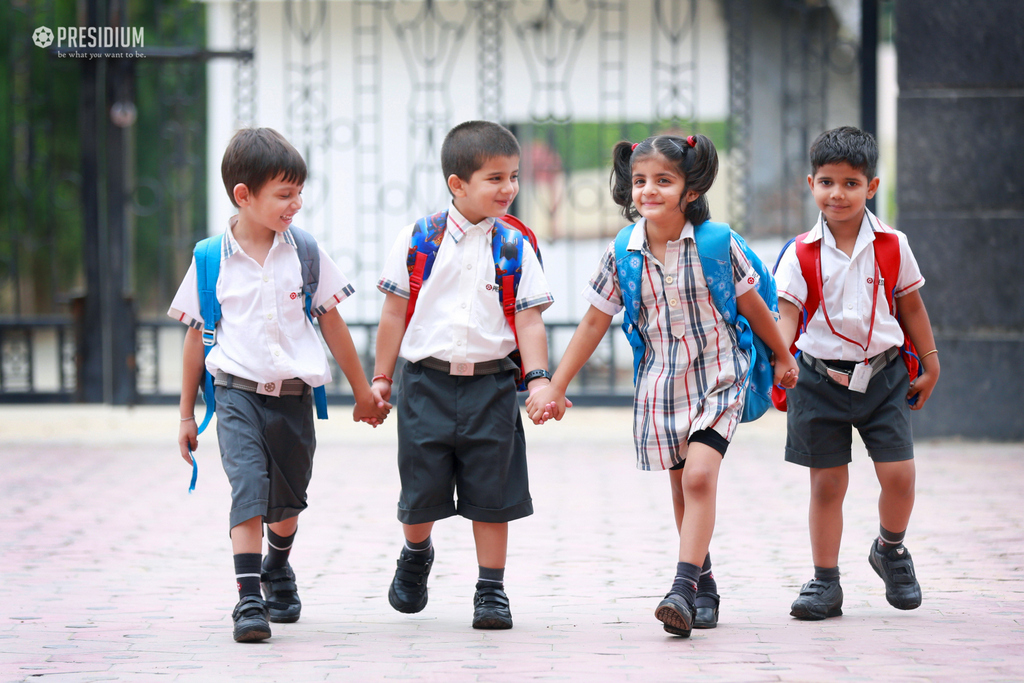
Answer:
(622, 178)
(700, 167)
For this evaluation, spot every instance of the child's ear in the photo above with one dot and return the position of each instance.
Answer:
(872, 187)
(241, 194)
(691, 196)
(810, 181)
(457, 185)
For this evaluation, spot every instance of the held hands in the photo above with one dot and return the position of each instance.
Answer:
(545, 403)
(786, 370)
(188, 437)
(374, 408)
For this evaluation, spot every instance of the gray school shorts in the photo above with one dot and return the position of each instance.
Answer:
(266, 447)
(461, 434)
(821, 415)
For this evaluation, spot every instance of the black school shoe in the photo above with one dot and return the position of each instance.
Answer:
(707, 610)
(408, 592)
(282, 595)
(491, 608)
(250, 616)
(897, 570)
(676, 614)
(818, 600)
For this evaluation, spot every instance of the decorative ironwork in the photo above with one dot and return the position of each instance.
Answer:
(245, 19)
(490, 59)
(740, 186)
(674, 61)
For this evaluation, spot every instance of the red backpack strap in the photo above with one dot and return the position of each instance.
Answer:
(426, 238)
(887, 256)
(809, 256)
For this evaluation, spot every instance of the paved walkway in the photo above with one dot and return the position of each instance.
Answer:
(114, 572)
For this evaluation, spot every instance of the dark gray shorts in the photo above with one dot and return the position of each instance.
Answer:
(821, 415)
(266, 447)
(464, 434)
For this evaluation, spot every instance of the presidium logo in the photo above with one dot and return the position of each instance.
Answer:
(93, 38)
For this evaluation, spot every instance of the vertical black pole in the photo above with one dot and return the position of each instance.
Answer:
(869, 71)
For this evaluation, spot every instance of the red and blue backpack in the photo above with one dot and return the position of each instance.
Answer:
(507, 240)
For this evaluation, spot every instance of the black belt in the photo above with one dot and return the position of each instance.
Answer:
(487, 367)
(841, 376)
(289, 387)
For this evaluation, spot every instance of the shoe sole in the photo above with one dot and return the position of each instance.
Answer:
(892, 600)
(808, 615)
(404, 607)
(252, 635)
(492, 624)
(286, 619)
(673, 621)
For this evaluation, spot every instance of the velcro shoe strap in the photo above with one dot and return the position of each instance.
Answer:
(249, 606)
(493, 596)
(413, 572)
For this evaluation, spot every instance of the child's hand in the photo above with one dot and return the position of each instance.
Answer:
(545, 403)
(922, 387)
(188, 436)
(786, 370)
(371, 409)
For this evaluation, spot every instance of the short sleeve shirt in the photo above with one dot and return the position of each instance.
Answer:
(848, 284)
(264, 334)
(458, 316)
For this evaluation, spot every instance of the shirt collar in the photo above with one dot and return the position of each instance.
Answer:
(459, 225)
(869, 225)
(230, 246)
(638, 238)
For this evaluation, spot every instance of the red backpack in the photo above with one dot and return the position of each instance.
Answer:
(887, 257)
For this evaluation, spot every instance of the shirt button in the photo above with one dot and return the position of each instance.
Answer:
(668, 279)
(270, 316)
(849, 306)
(277, 352)
(469, 266)
(458, 343)
(463, 305)
(266, 278)
(672, 302)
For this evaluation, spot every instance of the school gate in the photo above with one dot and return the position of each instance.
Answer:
(112, 164)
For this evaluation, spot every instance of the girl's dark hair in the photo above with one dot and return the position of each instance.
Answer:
(697, 164)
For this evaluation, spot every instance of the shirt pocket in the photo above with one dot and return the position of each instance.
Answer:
(486, 313)
(291, 307)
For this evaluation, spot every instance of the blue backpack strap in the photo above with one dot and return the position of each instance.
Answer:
(427, 234)
(309, 262)
(628, 265)
(208, 254)
(507, 250)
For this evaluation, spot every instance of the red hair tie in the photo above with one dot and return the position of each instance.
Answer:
(633, 149)
(691, 141)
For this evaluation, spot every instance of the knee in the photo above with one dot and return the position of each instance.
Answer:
(828, 486)
(698, 482)
(899, 481)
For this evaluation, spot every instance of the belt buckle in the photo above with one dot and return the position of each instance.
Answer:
(839, 376)
(461, 369)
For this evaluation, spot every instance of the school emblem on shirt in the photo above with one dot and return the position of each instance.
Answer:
(750, 280)
(293, 295)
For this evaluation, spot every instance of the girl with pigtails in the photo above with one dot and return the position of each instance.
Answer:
(690, 371)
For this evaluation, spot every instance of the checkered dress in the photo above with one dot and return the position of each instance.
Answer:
(691, 375)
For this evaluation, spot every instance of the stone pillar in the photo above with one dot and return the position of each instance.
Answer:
(960, 193)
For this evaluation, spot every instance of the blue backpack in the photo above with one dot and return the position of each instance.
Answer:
(208, 255)
(507, 245)
(713, 248)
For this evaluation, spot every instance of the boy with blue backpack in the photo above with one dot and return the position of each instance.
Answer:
(463, 289)
(849, 289)
(698, 307)
(249, 299)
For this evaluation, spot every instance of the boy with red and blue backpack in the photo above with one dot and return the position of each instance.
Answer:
(463, 289)
(849, 288)
(249, 299)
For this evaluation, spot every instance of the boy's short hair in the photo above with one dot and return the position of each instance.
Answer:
(469, 145)
(846, 144)
(255, 156)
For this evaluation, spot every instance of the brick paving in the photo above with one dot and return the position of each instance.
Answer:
(115, 573)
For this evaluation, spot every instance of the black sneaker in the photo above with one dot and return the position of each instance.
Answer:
(676, 614)
(408, 592)
(491, 608)
(250, 616)
(818, 600)
(282, 595)
(897, 570)
(707, 610)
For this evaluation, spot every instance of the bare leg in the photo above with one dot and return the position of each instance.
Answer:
(247, 537)
(675, 479)
(417, 533)
(828, 490)
(285, 527)
(896, 501)
(491, 543)
(700, 490)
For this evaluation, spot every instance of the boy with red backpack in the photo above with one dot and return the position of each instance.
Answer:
(463, 289)
(849, 287)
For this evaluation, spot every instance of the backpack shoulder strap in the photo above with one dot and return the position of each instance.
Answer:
(887, 256)
(809, 256)
(426, 238)
(208, 254)
(309, 261)
(628, 268)
(507, 249)
(714, 244)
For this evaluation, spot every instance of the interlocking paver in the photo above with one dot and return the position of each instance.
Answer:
(114, 572)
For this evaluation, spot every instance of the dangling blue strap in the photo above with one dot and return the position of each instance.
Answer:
(195, 469)
(207, 255)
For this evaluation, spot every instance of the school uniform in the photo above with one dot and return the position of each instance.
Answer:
(459, 425)
(821, 410)
(691, 376)
(267, 357)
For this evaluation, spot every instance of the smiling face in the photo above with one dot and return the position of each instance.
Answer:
(489, 191)
(274, 206)
(659, 192)
(841, 191)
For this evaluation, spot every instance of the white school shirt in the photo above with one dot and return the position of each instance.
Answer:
(263, 334)
(848, 284)
(692, 374)
(458, 316)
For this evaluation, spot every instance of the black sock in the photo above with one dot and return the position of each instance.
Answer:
(278, 549)
(707, 583)
(685, 583)
(420, 550)
(247, 573)
(889, 539)
(826, 573)
(493, 578)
